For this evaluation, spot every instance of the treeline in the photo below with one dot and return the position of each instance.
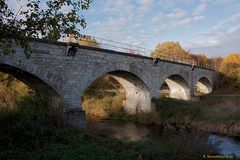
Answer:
(173, 51)
(229, 65)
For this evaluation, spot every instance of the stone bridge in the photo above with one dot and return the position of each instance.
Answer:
(54, 72)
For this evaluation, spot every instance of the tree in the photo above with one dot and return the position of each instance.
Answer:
(89, 41)
(202, 60)
(170, 50)
(217, 61)
(31, 21)
(231, 66)
(84, 40)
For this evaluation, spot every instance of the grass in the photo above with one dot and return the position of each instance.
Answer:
(173, 111)
(29, 133)
(102, 104)
(214, 109)
(220, 108)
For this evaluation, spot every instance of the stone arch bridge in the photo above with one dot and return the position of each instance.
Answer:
(55, 73)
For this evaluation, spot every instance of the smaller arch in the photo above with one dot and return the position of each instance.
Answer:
(203, 86)
(137, 94)
(164, 90)
(175, 86)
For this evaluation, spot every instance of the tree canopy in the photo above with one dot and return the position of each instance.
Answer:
(202, 60)
(217, 61)
(231, 66)
(56, 19)
(89, 41)
(170, 50)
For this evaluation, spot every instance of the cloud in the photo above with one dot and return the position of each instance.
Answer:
(200, 8)
(222, 38)
(145, 5)
(173, 3)
(221, 45)
(17, 5)
(190, 20)
(159, 16)
(232, 19)
(177, 13)
(145, 22)
(185, 22)
(166, 3)
(222, 25)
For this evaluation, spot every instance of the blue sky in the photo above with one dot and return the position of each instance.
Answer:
(201, 26)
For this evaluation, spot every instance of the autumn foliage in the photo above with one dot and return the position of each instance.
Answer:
(89, 41)
(202, 60)
(171, 50)
(231, 66)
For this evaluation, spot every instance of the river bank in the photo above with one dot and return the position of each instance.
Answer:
(164, 138)
(30, 132)
(218, 114)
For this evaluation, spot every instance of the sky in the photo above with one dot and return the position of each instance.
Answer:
(200, 26)
(211, 27)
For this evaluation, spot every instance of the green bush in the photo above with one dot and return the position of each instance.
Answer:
(28, 133)
(171, 110)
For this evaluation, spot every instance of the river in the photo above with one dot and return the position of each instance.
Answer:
(135, 132)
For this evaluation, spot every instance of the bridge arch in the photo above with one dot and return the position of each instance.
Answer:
(30, 80)
(203, 86)
(137, 94)
(30, 73)
(40, 80)
(175, 86)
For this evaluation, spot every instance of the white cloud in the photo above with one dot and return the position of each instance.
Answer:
(222, 25)
(190, 20)
(173, 3)
(200, 8)
(222, 38)
(232, 19)
(167, 3)
(144, 22)
(186, 22)
(17, 6)
(159, 16)
(223, 44)
(145, 5)
(177, 13)
(117, 8)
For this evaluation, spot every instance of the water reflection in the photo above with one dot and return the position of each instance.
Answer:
(226, 145)
(120, 130)
(136, 132)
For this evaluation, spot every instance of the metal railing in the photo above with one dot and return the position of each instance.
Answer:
(103, 43)
(116, 46)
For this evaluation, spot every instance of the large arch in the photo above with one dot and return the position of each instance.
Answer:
(203, 86)
(22, 65)
(137, 93)
(177, 87)
(29, 79)
(34, 82)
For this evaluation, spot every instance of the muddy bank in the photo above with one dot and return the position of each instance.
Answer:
(226, 129)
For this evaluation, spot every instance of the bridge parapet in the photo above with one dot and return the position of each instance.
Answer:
(108, 44)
